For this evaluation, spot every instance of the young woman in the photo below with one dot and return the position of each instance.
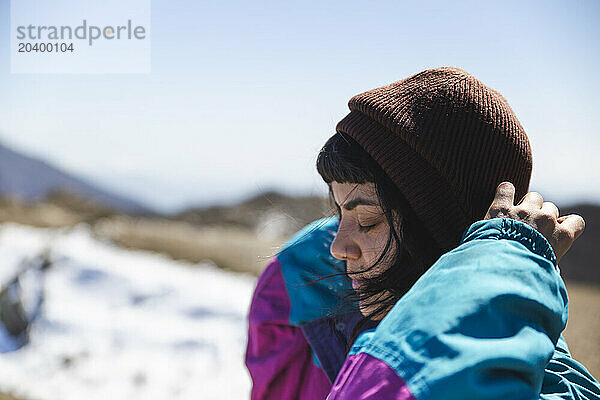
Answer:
(459, 301)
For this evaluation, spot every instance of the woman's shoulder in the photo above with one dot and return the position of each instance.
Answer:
(495, 303)
(311, 241)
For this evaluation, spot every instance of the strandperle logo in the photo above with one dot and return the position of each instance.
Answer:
(91, 33)
(91, 36)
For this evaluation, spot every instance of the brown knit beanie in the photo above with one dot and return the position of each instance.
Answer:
(446, 140)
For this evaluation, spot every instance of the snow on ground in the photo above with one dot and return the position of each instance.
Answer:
(123, 324)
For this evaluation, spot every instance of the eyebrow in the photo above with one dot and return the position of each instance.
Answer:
(358, 201)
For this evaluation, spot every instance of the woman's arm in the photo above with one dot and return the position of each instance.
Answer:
(567, 379)
(288, 319)
(482, 323)
(278, 356)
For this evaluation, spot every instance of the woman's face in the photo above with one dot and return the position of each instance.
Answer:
(362, 234)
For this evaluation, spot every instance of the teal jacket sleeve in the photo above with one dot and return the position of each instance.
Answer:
(482, 323)
(567, 379)
(291, 301)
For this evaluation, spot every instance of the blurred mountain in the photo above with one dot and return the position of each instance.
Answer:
(272, 212)
(30, 179)
(582, 261)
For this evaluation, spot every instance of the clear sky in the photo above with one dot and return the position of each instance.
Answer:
(243, 94)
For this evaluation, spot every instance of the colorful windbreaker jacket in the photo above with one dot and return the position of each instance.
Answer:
(484, 322)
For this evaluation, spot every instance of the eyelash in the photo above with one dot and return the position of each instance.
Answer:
(362, 228)
(366, 228)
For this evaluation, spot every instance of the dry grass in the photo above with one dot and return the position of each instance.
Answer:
(40, 215)
(5, 396)
(231, 248)
(583, 329)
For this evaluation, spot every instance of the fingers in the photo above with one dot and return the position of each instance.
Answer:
(568, 229)
(573, 223)
(503, 201)
(533, 199)
(550, 209)
(542, 219)
(505, 195)
(543, 216)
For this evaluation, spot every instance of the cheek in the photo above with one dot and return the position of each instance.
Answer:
(377, 239)
(373, 247)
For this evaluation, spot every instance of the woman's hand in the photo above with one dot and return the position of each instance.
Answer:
(542, 215)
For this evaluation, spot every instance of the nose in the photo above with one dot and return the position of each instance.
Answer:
(344, 248)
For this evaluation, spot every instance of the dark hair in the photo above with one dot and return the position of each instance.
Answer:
(343, 160)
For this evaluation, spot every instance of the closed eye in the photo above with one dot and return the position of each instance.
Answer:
(366, 228)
